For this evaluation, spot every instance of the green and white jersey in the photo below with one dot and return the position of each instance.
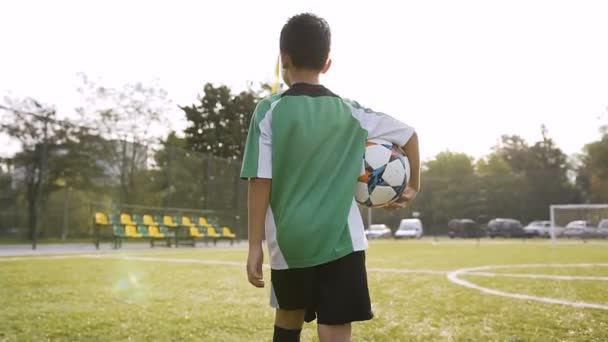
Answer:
(311, 142)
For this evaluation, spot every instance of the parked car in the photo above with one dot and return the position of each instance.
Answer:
(602, 229)
(378, 231)
(580, 229)
(505, 227)
(464, 228)
(409, 229)
(538, 228)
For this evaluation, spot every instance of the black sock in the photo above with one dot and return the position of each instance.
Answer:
(286, 335)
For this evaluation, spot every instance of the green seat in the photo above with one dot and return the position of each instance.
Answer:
(115, 219)
(143, 230)
(137, 218)
(165, 230)
(118, 230)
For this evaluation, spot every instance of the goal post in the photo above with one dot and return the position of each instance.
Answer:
(563, 214)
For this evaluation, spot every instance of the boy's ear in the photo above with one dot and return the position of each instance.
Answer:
(285, 61)
(285, 65)
(327, 66)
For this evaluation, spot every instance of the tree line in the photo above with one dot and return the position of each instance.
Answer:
(116, 150)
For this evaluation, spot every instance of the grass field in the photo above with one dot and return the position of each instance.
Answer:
(202, 295)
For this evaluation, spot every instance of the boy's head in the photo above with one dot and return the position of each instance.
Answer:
(305, 42)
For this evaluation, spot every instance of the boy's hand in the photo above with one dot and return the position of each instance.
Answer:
(254, 266)
(407, 196)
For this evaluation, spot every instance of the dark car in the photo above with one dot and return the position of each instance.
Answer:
(464, 228)
(505, 227)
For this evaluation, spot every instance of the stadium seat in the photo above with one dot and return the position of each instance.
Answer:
(119, 233)
(187, 222)
(131, 232)
(155, 232)
(118, 230)
(114, 218)
(168, 221)
(99, 222)
(143, 230)
(101, 219)
(137, 219)
(222, 232)
(125, 219)
(166, 231)
(195, 233)
(226, 232)
(212, 233)
(203, 221)
(149, 221)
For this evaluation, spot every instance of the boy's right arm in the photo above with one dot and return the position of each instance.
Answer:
(257, 168)
(257, 203)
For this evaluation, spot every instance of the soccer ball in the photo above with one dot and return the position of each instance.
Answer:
(385, 173)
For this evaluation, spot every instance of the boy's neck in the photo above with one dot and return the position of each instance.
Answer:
(304, 76)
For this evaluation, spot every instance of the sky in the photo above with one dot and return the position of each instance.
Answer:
(461, 72)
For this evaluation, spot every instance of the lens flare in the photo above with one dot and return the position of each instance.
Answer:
(129, 287)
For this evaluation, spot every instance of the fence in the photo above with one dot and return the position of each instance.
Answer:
(53, 195)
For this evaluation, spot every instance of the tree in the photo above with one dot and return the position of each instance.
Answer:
(500, 188)
(181, 178)
(55, 154)
(592, 176)
(544, 167)
(6, 187)
(514, 150)
(37, 129)
(219, 122)
(128, 120)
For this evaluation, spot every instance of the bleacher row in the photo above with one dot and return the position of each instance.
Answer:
(166, 228)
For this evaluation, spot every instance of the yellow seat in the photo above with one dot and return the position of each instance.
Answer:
(149, 221)
(211, 232)
(101, 219)
(186, 221)
(131, 231)
(168, 221)
(155, 232)
(195, 232)
(203, 221)
(226, 232)
(126, 219)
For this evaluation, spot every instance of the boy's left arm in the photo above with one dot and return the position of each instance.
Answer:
(412, 152)
(383, 126)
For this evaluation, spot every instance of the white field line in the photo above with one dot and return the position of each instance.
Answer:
(454, 277)
(536, 276)
(405, 270)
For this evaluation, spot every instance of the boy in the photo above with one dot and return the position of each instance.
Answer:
(302, 158)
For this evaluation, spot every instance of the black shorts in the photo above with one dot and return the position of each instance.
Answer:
(333, 293)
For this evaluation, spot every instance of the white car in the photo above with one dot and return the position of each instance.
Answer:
(378, 231)
(542, 228)
(409, 229)
(602, 229)
(579, 229)
(538, 228)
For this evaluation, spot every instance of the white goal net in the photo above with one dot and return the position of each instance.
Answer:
(579, 221)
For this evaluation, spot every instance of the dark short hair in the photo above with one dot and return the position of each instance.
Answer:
(306, 38)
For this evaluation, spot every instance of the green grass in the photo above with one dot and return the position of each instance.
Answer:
(113, 299)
